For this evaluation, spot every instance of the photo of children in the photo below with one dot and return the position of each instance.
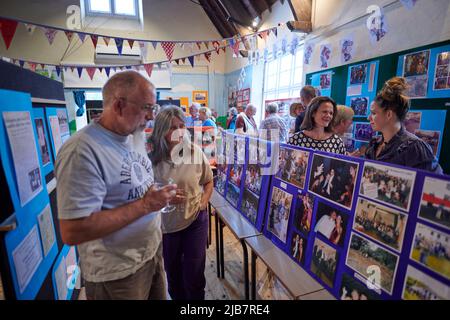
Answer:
(333, 179)
(412, 121)
(324, 262)
(239, 149)
(253, 178)
(416, 64)
(431, 137)
(303, 212)
(363, 131)
(233, 193)
(325, 80)
(440, 84)
(364, 255)
(298, 248)
(292, 166)
(280, 207)
(39, 122)
(249, 205)
(358, 74)
(435, 202)
(34, 177)
(352, 289)
(359, 105)
(380, 223)
(417, 86)
(419, 286)
(443, 58)
(331, 223)
(389, 185)
(431, 248)
(236, 171)
(221, 179)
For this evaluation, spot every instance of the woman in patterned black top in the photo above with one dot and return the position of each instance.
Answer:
(316, 132)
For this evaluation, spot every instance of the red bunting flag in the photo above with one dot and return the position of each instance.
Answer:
(235, 48)
(69, 35)
(91, 71)
(208, 56)
(149, 68)
(94, 39)
(263, 35)
(168, 49)
(32, 66)
(8, 29)
(42, 66)
(216, 45)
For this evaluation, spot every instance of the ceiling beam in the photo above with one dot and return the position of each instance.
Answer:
(251, 9)
(259, 5)
(218, 18)
(269, 5)
(302, 11)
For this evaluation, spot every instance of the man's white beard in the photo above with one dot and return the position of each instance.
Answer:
(139, 141)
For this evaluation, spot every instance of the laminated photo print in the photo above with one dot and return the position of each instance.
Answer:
(431, 137)
(233, 194)
(298, 248)
(412, 121)
(324, 262)
(253, 178)
(442, 71)
(221, 178)
(360, 105)
(416, 64)
(363, 131)
(303, 212)
(420, 286)
(293, 164)
(280, 208)
(331, 223)
(435, 202)
(249, 206)
(358, 74)
(325, 80)
(352, 289)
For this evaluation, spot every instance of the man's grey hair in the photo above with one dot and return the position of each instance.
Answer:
(233, 111)
(206, 111)
(121, 85)
(196, 105)
(272, 108)
(249, 106)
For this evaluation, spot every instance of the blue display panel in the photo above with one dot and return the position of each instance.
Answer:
(65, 273)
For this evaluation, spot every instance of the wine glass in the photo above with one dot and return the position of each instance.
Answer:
(169, 207)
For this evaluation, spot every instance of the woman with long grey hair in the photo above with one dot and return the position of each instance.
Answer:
(185, 229)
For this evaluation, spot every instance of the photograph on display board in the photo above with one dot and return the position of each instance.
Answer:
(431, 248)
(249, 205)
(435, 202)
(412, 121)
(292, 166)
(352, 289)
(239, 148)
(420, 286)
(333, 179)
(331, 223)
(303, 212)
(39, 122)
(200, 96)
(380, 223)
(431, 137)
(416, 64)
(325, 80)
(236, 171)
(233, 193)
(253, 178)
(280, 208)
(363, 131)
(358, 74)
(324, 262)
(417, 86)
(442, 71)
(389, 185)
(221, 178)
(349, 144)
(363, 255)
(298, 248)
(360, 105)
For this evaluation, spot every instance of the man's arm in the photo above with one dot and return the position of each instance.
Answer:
(207, 192)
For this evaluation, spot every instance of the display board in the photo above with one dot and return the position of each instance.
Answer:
(58, 124)
(322, 82)
(44, 150)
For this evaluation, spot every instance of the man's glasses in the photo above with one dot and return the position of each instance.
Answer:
(144, 106)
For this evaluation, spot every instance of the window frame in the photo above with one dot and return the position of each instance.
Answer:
(112, 14)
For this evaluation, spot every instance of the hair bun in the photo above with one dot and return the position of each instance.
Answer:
(394, 88)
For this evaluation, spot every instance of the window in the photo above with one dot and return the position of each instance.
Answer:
(283, 77)
(113, 8)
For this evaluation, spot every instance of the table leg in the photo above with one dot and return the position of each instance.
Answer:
(216, 219)
(253, 266)
(209, 225)
(246, 279)
(222, 260)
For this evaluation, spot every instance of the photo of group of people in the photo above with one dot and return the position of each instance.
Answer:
(292, 166)
(415, 70)
(249, 205)
(431, 248)
(236, 171)
(435, 202)
(324, 262)
(431, 137)
(333, 179)
(253, 178)
(419, 286)
(331, 223)
(380, 223)
(34, 177)
(239, 149)
(221, 180)
(389, 185)
(303, 212)
(39, 122)
(233, 194)
(412, 121)
(359, 105)
(280, 208)
(325, 80)
(352, 289)
(363, 255)
(363, 131)
(298, 248)
(442, 72)
(358, 74)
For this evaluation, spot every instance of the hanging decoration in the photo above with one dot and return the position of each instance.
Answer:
(325, 55)
(119, 44)
(346, 45)
(307, 53)
(168, 48)
(50, 34)
(8, 29)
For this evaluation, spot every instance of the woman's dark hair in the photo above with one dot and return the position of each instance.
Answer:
(392, 97)
(308, 121)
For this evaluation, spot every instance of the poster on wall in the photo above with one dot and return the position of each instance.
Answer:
(54, 126)
(45, 221)
(63, 124)
(441, 79)
(415, 70)
(39, 122)
(24, 154)
(346, 49)
(200, 96)
(325, 55)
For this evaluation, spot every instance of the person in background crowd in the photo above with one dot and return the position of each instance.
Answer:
(341, 124)
(245, 123)
(185, 230)
(396, 145)
(295, 110)
(316, 132)
(204, 115)
(307, 93)
(193, 111)
(214, 115)
(273, 122)
(151, 115)
(231, 120)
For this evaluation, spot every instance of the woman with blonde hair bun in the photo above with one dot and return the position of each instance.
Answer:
(396, 145)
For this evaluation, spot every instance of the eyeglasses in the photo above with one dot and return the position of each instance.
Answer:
(144, 106)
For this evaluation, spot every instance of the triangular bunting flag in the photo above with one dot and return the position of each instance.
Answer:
(80, 70)
(208, 56)
(149, 68)
(91, 72)
(159, 64)
(224, 49)
(154, 44)
(114, 69)
(50, 34)
(106, 40)
(231, 42)
(32, 66)
(72, 68)
(199, 45)
(82, 36)
(100, 69)
(8, 29)
(94, 39)
(236, 48)
(21, 63)
(263, 35)
(168, 48)
(119, 44)
(128, 68)
(58, 71)
(130, 43)
(216, 45)
(206, 44)
(275, 31)
(30, 28)
(69, 35)
(177, 61)
(181, 45)
(191, 60)
(107, 71)
(42, 66)
(183, 60)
